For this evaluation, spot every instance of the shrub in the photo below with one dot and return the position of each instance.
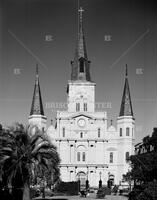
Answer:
(68, 188)
(34, 192)
(151, 189)
(101, 193)
(48, 192)
(107, 190)
(144, 196)
(147, 191)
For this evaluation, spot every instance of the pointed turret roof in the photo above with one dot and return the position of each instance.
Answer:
(37, 106)
(81, 45)
(80, 65)
(126, 105)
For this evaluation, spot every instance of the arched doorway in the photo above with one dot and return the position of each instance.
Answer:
(111, 179)
(82, 177)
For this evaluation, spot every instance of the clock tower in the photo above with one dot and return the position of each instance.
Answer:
(80, 132)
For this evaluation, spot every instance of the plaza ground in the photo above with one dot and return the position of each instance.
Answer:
(91, 196)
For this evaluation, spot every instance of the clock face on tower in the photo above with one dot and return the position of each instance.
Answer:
(81, 122)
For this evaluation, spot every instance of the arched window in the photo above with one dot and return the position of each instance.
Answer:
(98, 132)
(77, 107)
(120, 132)
(127, 131)
(127, 156)
(78, 156)
(63, 132)
(81, 65)
(83, 156)
(85, 106)
(81, 135)
(111, 157)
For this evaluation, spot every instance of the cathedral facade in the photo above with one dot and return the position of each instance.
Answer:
(89, 148)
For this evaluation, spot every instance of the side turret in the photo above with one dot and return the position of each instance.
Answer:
(37, 116)
(125, 128)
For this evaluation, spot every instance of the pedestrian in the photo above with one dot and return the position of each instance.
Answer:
(120, 190)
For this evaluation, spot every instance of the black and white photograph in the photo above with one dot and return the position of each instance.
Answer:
(78, 99)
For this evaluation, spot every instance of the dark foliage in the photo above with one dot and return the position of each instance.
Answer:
(101, 193)
(144, 165)
(144, 170)
(22, 156)
(68, 188)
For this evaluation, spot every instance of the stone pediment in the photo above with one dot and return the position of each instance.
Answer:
(82, 115)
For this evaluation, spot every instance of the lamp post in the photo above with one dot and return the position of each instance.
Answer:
(100, 181)
(78, 182)
(87, 183)
(109, 181)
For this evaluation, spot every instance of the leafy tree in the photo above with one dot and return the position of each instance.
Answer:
(154, 139)
(22, 155)
(147, 143)
(144, 169)
(128, 178)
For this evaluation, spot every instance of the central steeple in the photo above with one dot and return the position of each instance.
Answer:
(80, 64)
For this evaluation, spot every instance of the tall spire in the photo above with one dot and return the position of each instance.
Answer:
(80, 65)
(37, 106)
(126, 105)
(81, 49)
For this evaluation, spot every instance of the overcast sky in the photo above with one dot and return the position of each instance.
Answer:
(117, 32)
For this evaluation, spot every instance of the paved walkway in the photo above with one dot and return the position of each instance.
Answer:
(115, 197)
(91, 196)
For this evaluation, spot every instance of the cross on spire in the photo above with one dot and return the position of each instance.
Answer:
(37, 68)
(37, 74)
(81, 12)
(126, 71)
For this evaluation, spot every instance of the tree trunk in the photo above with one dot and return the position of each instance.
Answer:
(26, 192)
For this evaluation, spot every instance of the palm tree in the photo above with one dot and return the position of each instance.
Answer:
(21, 155)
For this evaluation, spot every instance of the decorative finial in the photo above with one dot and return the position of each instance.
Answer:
(37, 68)
(81, 11)
(51, 121)
(37, 74)
(126, 71)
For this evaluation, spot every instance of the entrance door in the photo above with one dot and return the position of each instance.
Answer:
(111, 178)
(81, 176)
